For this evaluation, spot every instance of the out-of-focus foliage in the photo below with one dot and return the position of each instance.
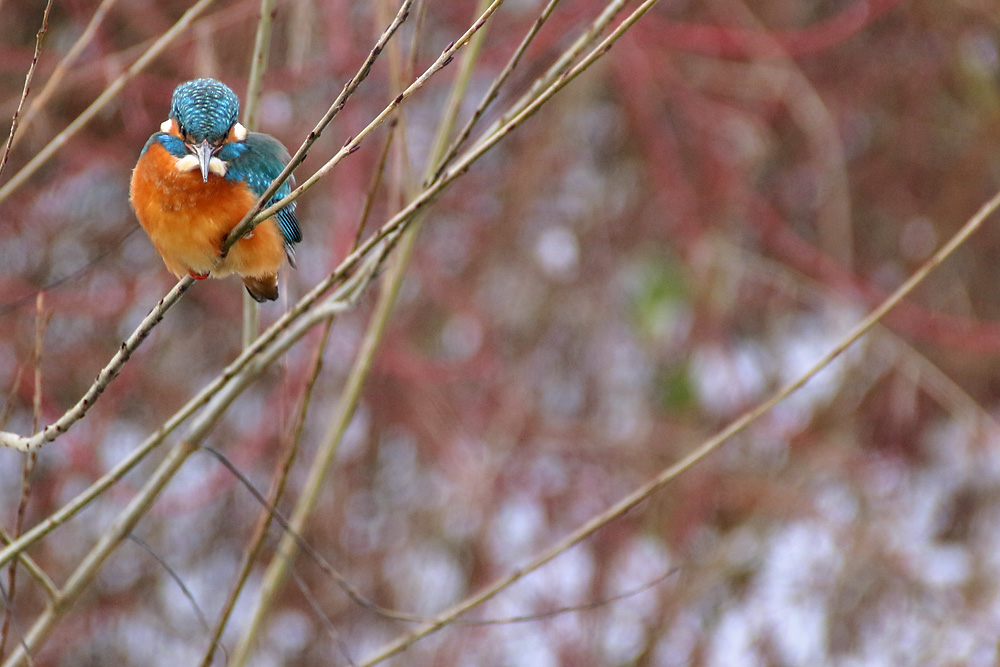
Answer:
(684, 228)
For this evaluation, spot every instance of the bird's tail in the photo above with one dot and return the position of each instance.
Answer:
(262, 288)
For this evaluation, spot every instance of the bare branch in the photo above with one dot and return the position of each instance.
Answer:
(26, 89)
(325, 621)
(594, 604)
(563, 63)
(107, 374)
(341, 300)
(52, 84)
(494, 88)
(253, 217)
(109, 94)
(446, 57)
(172, 573)
(671, 472)
(28, 466)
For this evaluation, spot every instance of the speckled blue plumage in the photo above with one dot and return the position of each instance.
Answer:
(173, 145)
(205, 109)
(208, 109)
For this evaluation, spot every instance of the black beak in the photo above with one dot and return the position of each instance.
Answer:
(204, 152)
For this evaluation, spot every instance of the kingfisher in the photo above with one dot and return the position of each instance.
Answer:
(195, 180)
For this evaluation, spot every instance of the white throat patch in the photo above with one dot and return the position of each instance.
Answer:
(190, 163)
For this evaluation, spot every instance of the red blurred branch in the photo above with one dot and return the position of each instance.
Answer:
(909, 319)
(734, 42)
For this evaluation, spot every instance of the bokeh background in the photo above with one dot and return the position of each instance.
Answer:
(690, 224)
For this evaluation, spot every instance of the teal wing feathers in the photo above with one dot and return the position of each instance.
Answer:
(257, 161)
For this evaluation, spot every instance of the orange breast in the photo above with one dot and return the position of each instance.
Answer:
(187, 219)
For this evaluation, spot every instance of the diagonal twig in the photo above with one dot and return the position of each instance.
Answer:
(76, 413)
(52, 84)
(255, 87)
(28, 465)
(562, 64)
(109, 93)
(104, 378)
(81, 578)
(27, 86)
(494, 88)
(706, 448)
(175, 576)
(254, 217)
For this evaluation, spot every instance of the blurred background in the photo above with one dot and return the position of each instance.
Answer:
(691, 223)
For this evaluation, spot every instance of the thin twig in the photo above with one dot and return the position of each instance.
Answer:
(107, 248)
(373, 186)
(24, 95)
(562, 64)
(87, 570)
(572, 609)
(172, 573)
(324, 620)
(52, 84)
(254, 216)
(107, 374)
(41, 324)
(350, 146)
(109, 94)
(703, 450)
(278, 483)
(255, 87)
(498, 82)
(349, 589)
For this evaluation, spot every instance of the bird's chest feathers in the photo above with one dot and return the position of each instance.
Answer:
(172, 189)
(186, 217)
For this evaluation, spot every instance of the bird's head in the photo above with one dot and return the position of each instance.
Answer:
(203, 114)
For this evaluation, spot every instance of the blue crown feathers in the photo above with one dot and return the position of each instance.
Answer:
(205, 109)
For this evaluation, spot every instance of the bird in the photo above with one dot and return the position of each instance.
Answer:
(195, 180)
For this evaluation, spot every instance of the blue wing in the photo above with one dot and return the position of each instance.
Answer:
(257, 161)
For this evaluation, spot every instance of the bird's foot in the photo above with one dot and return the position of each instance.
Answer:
(197, 276)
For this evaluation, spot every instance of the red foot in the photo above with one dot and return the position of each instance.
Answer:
(197, 276)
